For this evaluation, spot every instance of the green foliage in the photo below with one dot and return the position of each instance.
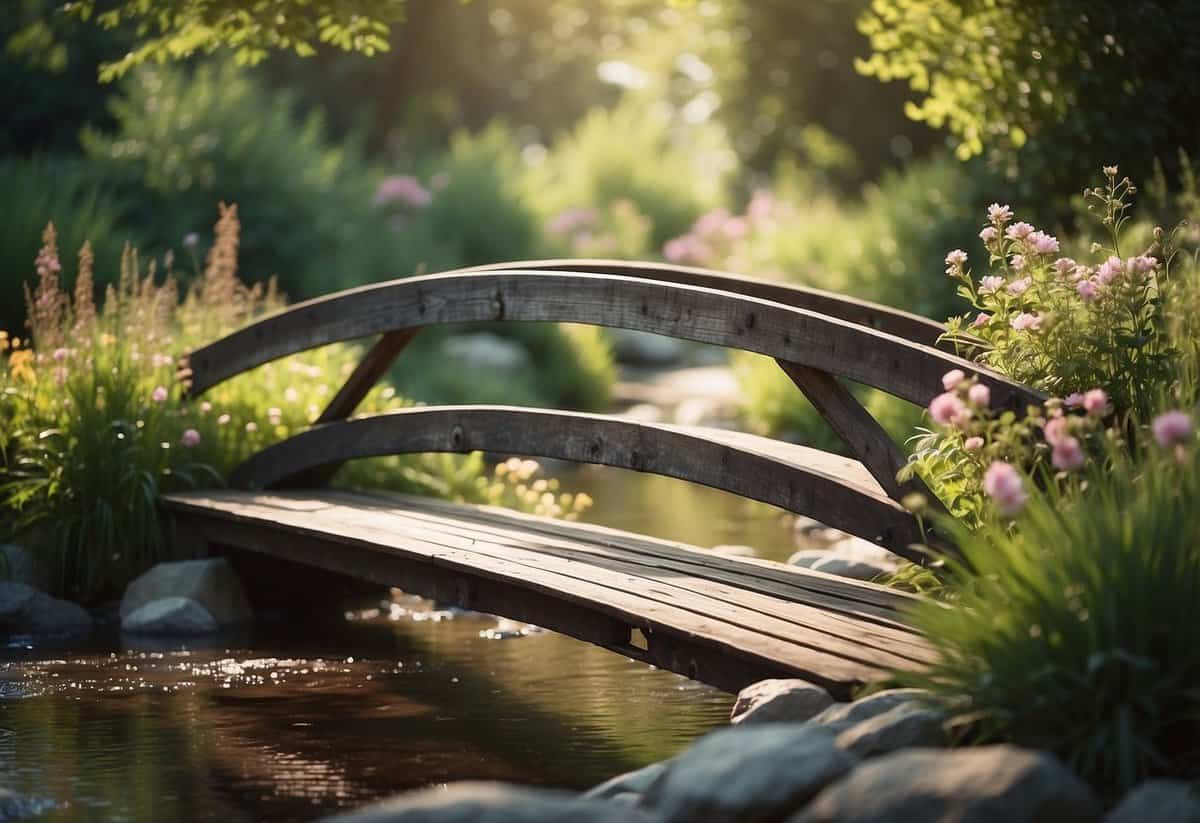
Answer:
(1077, 631)
(175, 29)
(35, 191)
(92, 428)
(1049, 88)
(632, 154)
(186, 140)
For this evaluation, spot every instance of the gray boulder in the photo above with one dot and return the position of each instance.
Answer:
(990, 784)
(25, 610)
(211, 582)
(17, 565)
(486, 352)
(904, 726)
(635, 782)
(492, 803)
(848, 714)
(748, 774)
(641, 348)
(779, 701)
(170, 616)
(15, 806)
(1157, 800)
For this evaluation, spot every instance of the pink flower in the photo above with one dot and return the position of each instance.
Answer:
(1018, 287)
(1141, 265)
(687, 249)
(568, 221)
(1073, 400)
(1067, 455)
(981, 319)
(190, 438)
(1064, 266)
(990, 283)
(1019, 231)
(1081, 273)
(1095, 402)
(1017, 261)
(762, 205)
(1087, 290)
(1056, 430)
(989, 234)
(999, 214)
(1043, 243)
(736, 228)
(403, 189)
(205, 407)
(949, 409)
(1109, 270)
(973, 444)
(710, 223)
(159, 395)
(61, 354)
(1026, 322)
(952, 378)
(956, 259)
(1002, 483)
(1171, 428)
(980, 395)
(251, 427)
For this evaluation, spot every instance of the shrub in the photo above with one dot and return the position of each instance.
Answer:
(187, 139)
(630, 154)
(1077, 631)
(32, 193)
(92, 427)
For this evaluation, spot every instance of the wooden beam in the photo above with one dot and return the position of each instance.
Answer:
(373, 366)
(908, 370)
(833, 489)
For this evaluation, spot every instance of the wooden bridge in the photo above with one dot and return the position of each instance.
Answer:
(721, 620)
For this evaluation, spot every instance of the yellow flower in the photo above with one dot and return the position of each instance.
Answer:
(20, 366)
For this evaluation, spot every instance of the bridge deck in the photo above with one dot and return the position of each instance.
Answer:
(721, 620)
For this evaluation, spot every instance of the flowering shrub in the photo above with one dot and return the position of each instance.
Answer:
(93, 426)
(1065, 325)
(1079, 630)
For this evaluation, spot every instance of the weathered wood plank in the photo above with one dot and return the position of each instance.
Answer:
(795, 478)
(904, 324)
(908, 370)
(690, 631)
(366, 374)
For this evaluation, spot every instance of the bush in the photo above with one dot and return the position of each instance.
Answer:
(92, 428)
(187, 139)
(1079, 631)
(32, 193)
(631, 154)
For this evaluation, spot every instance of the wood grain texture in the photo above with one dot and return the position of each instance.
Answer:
(830, 488)
(903, 324)
(908, 370)
(699, 617)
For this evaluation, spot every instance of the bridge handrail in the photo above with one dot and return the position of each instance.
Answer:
(911, 371)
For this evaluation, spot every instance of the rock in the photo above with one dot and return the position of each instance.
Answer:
(845, 567)
(487, 351)
(814, 533)
(25, 610)
(170, 616)
(779, 700)
(492, 803)
(805, 558)
(905, 726)
(734, 550)
(212, 583)
(848, 714)
(989, 784)
(635, 782)
(640, 348)
(748, 774)
(1156, 800)
(17, 565)
(14, 598)
(15, 806)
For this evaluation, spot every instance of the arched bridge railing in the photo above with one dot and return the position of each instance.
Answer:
(816, 337)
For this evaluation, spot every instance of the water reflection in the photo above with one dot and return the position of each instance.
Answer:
(296, 720)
